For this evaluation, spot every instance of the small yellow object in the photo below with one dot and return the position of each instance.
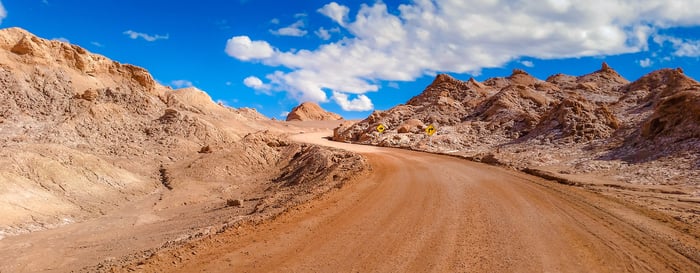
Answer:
(430, 130)
(381, 128)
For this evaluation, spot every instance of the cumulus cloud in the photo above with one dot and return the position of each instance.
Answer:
(336, 12)
(682, 47)
(3, 12)
(527, 63)
(645, 62)
(181, 83)
(149, 38)
(242, 48)
(256, 83)
(360, 103)
(425, 37)
(325, 34)
(296, 29)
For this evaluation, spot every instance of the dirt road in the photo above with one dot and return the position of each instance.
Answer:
(427, 213)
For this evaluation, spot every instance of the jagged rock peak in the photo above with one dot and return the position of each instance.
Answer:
(311, 111)
(670, 80)
(605, 76)
(605, 68)
(440, 78)
(474, 83)
(518, 72)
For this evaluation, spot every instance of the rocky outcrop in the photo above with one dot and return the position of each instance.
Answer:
(576, 120)
(579, 121)
(311, 111)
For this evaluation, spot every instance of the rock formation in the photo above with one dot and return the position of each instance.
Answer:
(80, 134)
(311, 111)
(580, 122)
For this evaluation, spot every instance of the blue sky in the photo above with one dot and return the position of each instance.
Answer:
(357, 56)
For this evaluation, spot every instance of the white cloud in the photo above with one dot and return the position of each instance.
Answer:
(336, 12)
(325, 34)
(527, 63)
(284, 114)
(3, 12)
(295, 29)
(682, 47)
(454, 36)
(257, 84)
(181, 84)
(242, 48)
(149, 38)
(97, 44)
(361, 103)
(688, 49)
(61, 39)
(275, 21)
(645, 62)
(228, 83)
(394, 85)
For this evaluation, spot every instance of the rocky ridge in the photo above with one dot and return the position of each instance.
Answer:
(82, 135)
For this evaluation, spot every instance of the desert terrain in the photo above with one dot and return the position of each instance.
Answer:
(106, 170)
(99, 161)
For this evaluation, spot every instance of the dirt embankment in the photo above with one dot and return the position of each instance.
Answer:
(220, 188)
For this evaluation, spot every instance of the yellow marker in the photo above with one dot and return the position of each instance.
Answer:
(381, 128)
(430, 130)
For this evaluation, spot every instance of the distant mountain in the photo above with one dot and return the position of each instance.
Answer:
(311, 111)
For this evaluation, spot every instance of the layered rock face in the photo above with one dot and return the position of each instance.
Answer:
(594, 123)
(311, 111)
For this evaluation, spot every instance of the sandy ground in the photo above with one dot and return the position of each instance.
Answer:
(420, 212)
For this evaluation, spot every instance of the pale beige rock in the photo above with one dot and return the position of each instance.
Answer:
(311, 111)
(82, 135)
(410, 126)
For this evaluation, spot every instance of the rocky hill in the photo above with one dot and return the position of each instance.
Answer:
(82, 135)
(595, 123)
(311, 111)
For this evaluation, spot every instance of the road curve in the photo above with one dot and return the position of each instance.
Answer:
(418, 212)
